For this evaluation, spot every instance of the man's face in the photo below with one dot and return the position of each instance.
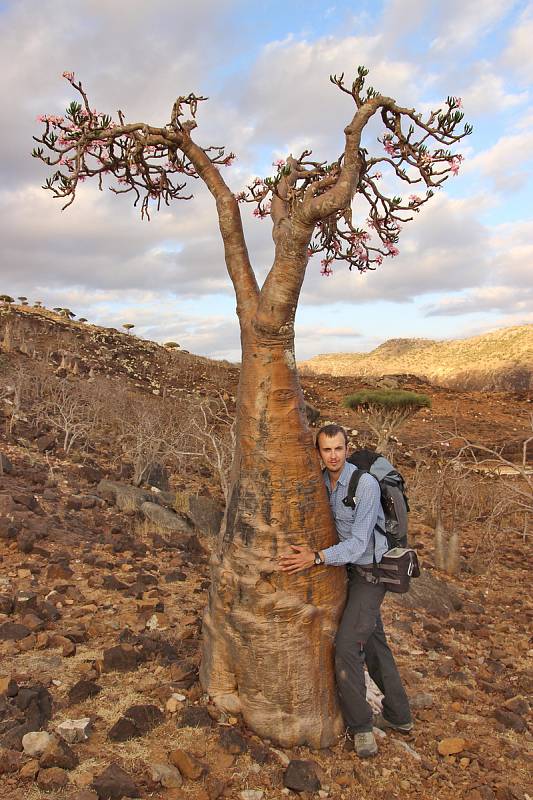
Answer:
(332, 451)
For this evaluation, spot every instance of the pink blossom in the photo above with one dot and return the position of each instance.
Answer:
(68, 75)
(240, 197)
(455, 163)
(458, 102)
(379, 259)
(391, 248)
(414, 198)
(52, 119)
(390, 148)
(228, 161)
(279, 163)
(326, 269)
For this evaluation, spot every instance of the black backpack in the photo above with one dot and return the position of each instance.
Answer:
(393, 496)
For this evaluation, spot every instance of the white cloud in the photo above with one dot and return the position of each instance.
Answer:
(462, 23)
(486, 90)
(518, 55)
(507, 163)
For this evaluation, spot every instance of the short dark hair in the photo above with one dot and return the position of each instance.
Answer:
(330, 431)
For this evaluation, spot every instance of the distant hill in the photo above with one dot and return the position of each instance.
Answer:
(499, 360)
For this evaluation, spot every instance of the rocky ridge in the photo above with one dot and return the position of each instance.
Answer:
(500, 360)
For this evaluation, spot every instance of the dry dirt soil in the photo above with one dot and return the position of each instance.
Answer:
(101, 600)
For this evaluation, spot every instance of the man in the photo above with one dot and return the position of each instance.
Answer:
(360, 638)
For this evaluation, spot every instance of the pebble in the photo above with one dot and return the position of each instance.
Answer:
(251, 794)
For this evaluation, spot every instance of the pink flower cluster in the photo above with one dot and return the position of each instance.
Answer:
(458, 102)
(279, 163)
(51, 119)
(240, 197)
(228, 161)
(414, 198)
(455, 164)
(261, 213)
(360, 236)
(326, 269)
(391, 248)
(390, 148)
(68, 75)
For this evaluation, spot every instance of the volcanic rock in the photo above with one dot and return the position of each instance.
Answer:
(114, 783)
(301, 776)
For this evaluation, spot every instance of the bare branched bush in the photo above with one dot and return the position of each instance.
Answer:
(213, 429)
(474, 485)
(72, 409)
(153, 431)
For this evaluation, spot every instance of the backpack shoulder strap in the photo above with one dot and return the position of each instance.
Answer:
(355, 477)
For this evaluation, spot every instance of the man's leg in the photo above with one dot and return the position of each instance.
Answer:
(384, 672)
(357, 625)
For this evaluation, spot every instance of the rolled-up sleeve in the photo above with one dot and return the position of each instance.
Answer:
(350, 549)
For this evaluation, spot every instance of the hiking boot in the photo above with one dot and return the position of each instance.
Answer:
(383, 723)
(364, 744)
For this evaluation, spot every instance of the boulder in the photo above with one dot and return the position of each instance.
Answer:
(187, 764)
(45, 442)
(35, 742)
(13, 632)
(158, 476)
(430, 594)
(58, 754)
(121, 658)
(167, 776)
(124, 496)
(206, 514)
(136, 721)
(75, 730)
(5, 465)
(52, 778)
(301, 776)
(82, 690)
(114, 783)
(166, 519)
(9, 761)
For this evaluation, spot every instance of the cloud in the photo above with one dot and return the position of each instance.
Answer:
(462, 23)
(507, 163)
(489, 298)
(505, 286)
(518, 55)
(486, 90)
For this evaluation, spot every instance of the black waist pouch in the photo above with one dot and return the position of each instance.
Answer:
(396, 569)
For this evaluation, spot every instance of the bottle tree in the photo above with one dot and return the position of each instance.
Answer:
(268, 638)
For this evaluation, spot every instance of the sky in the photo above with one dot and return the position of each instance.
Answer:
(465, 262)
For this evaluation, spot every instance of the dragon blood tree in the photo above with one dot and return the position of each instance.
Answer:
(268, 638)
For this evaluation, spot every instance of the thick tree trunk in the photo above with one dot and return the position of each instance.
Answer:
(268, 637)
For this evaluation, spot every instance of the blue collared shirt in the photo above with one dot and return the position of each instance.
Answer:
(356, 526)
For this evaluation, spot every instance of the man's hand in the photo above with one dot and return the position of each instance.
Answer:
(301, 558)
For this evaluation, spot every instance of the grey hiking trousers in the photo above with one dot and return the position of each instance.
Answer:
(361, 639)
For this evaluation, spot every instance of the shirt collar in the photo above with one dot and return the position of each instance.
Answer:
(344, 477)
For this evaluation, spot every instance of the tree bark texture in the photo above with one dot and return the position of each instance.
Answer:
(268, 637)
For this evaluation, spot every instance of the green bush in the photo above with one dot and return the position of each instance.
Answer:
(387, 398)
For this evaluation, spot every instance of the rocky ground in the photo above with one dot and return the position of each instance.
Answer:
(102, 588)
